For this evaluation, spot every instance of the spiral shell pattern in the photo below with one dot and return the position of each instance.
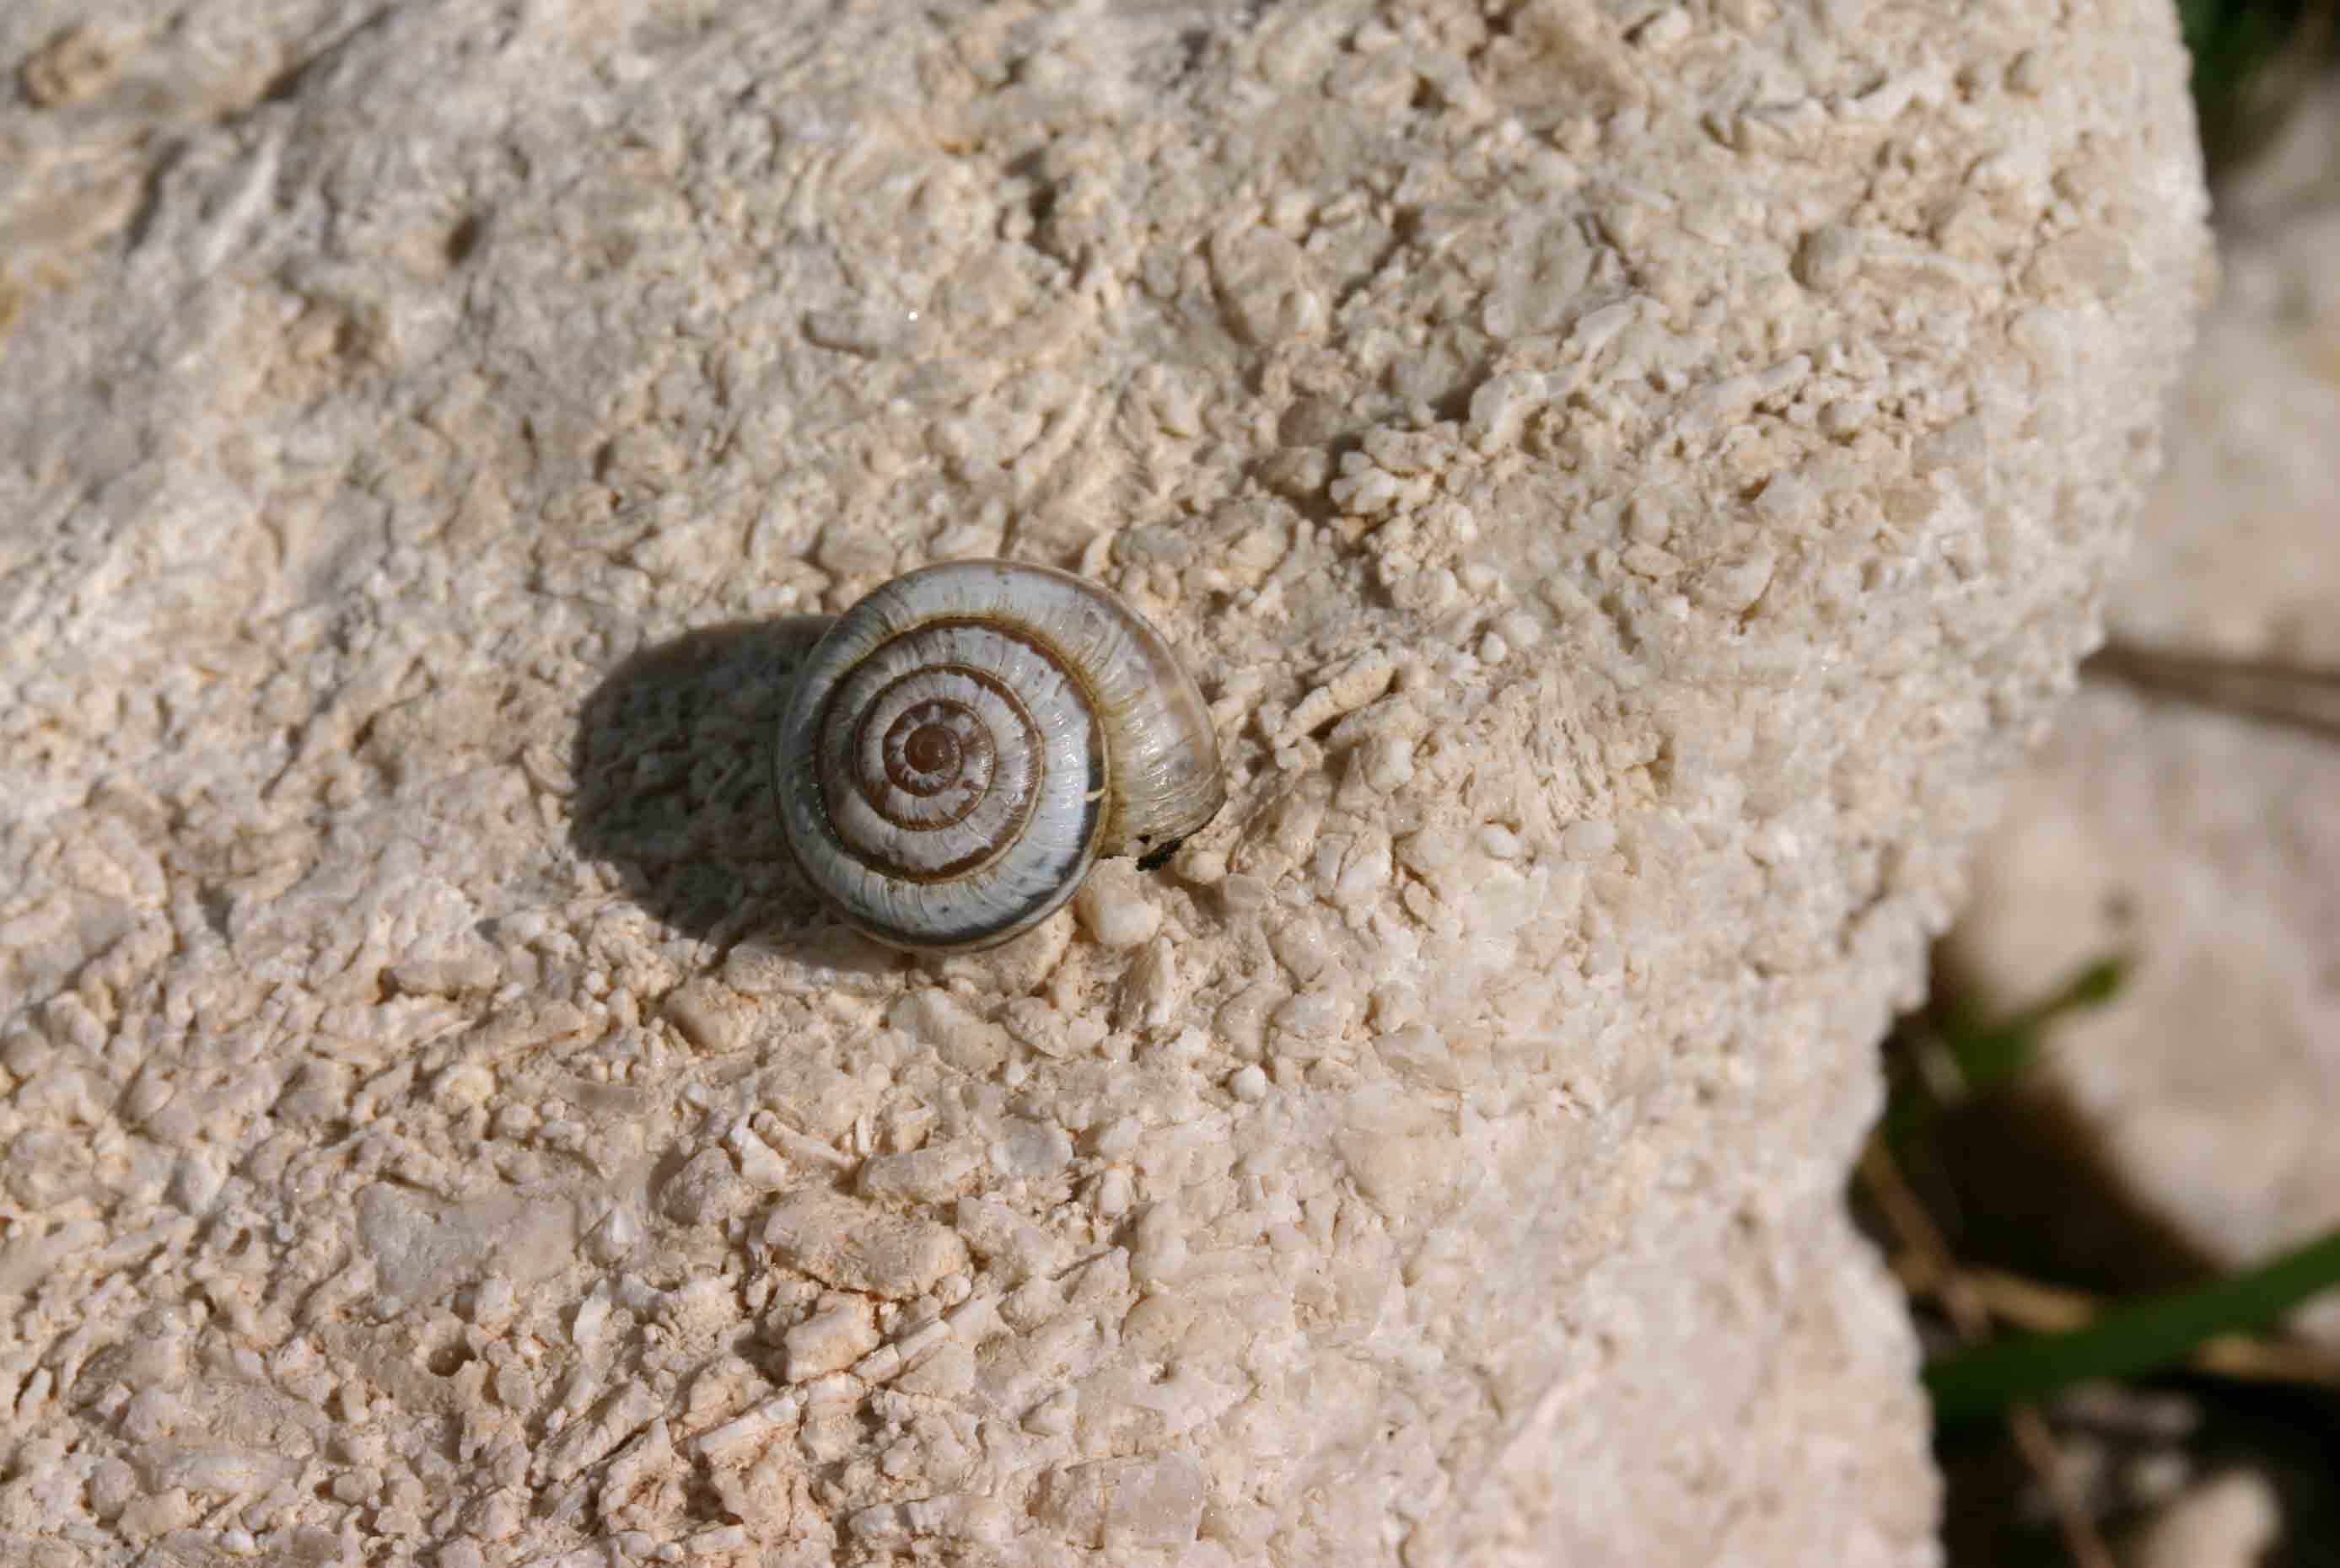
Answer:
(968, 739)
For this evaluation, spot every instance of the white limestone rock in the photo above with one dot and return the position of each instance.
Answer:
(2206, 844)
(2232, 1520)
(2235, 555)
(2205, 848)
(1627, 483)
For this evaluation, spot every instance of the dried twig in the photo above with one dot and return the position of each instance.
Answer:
(2300, 696)
(1969, 1314)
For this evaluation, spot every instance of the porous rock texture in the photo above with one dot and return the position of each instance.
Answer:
(1629, 478)
(2185, 826)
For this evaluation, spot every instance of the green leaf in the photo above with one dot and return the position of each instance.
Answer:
(1990, 1055)
(2239, 47)
(2128, 1341)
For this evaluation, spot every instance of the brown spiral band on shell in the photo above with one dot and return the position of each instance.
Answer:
(918, 707)
(969, 738)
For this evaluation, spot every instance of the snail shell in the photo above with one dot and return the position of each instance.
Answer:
(967, 741)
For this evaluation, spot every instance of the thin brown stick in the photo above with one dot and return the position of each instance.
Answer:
(1970, 1318)
(2274, 691)
(2248, 1360)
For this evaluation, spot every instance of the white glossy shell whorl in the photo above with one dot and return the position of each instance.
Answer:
(968, 739)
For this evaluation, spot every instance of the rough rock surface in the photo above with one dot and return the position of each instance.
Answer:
(2237, 555)
(1630, 478)
(2229, 1521)
(2206, 847)
(2206, 843)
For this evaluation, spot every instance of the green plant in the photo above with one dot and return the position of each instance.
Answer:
(2130, 1341)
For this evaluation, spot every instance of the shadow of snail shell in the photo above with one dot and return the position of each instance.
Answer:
(965, 743)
